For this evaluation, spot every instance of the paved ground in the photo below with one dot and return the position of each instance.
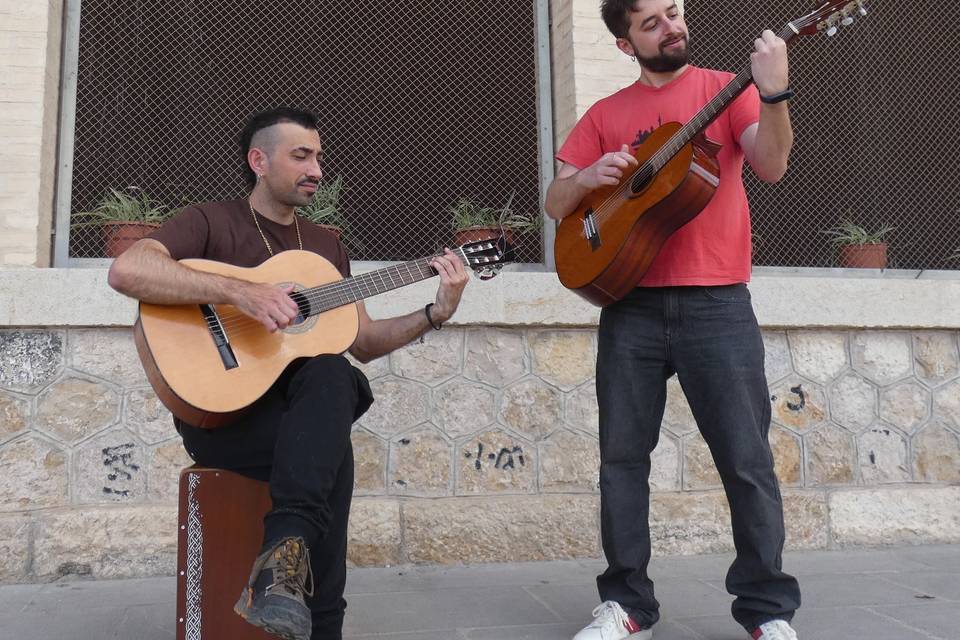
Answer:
(892, 594)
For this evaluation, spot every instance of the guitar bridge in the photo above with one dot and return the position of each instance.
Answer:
(590, 230)
(219, 336)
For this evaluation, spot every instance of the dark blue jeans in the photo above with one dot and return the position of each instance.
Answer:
(297, 436)
(709, 337)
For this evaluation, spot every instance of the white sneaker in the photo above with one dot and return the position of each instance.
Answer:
(611, 622)
(775, 630)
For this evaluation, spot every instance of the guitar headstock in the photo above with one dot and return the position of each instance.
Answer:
(487, 257)
(828, 17)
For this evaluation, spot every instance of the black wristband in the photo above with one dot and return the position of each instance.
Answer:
(778, 97)
(426, 310)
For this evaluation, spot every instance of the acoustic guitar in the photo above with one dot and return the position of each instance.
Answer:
(207, 363)
(605, 246)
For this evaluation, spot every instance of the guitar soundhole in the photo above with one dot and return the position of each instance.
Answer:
(303, 306)
(642, 178)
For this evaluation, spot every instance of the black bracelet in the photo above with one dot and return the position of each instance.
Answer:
(426, 310)
(778, 97)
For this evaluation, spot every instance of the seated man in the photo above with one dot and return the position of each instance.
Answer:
(297, 435)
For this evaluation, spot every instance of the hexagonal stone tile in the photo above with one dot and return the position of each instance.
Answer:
(853, 402)
(398, 405)
(665, 464)
(699, 470)
(677, 416)
(374, 369)
(906, 405)
(145, 415)
(787, 457)
(437, 359)
(818, 355)
(776, 356)
(369, 463)
(582, 411)
(563, 358)
(495, 356)
(569, 463)
(532, 407)
(461, 407)
(106, 353)
(883, 456)
(14, 415)
(798, 404)
(936, 455)
(34, 475)
(936, 356)
(73, 409)
(946, 404)
(164, 464)
(110, 468)
(831, 458)
(420, 463)
(30, 360)
(495, 462)
(882, 356)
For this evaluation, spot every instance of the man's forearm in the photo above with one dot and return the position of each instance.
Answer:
(149, 275)
(563, 196)
(380, 337)
(773, 143)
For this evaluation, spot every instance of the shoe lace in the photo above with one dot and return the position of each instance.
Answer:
(609, 615)
(777, 630)
(292, 556)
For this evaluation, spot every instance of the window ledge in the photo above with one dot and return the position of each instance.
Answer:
(802, 298)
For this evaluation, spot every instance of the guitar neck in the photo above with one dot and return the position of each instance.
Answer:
(349, 290)
(710, 112)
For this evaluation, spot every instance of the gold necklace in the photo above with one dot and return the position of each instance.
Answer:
(296, 224)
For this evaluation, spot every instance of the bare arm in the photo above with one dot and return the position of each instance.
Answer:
(766, 145)
(379, 337)
(147, 272)
(571, 184)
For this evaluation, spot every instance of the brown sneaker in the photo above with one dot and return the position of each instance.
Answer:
(274, 597)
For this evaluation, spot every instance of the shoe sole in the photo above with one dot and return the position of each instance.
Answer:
(241, 610)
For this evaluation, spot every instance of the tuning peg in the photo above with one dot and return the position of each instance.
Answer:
(832, 31)
(847, 21)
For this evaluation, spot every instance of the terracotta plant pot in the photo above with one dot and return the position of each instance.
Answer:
(475, 234)
(863, 256)
(119, 236)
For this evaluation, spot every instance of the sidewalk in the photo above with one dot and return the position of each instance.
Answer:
(906, 593)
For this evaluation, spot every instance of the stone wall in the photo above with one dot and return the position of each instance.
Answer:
(482, 446)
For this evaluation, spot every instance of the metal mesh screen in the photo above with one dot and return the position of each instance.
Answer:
(420, 104)
(874, 120)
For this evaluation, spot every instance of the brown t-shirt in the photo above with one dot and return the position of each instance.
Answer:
(226, 232)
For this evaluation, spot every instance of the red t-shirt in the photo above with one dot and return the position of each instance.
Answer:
(714, 247)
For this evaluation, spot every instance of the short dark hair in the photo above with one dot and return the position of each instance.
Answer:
(616, 15)
(264, 119)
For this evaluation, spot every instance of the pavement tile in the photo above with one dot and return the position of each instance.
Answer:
(939, 621)
(945, 586)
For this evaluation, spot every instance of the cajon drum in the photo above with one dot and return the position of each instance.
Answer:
(220, 529)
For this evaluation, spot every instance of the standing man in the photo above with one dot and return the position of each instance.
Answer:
(297, 435)
(691, 315)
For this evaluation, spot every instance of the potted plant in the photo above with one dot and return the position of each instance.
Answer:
(325, 209)
(472, 222)
(859, 248)
(123, 218)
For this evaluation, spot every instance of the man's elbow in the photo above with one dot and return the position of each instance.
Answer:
(118, 277)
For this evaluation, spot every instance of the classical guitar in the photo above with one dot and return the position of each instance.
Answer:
(207, 363)
(605, 246)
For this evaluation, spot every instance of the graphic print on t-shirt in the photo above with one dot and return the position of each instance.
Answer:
(643, 134)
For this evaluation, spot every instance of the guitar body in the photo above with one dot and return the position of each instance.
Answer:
(632, 226)
(205, 387)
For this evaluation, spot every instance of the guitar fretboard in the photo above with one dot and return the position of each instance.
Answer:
(336, 294)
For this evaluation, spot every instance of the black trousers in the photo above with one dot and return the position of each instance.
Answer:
(709, 337)
(297, 436)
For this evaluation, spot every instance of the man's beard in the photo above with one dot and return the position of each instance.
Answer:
(666, 62)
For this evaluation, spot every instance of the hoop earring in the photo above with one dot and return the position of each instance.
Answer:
(633, 58)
